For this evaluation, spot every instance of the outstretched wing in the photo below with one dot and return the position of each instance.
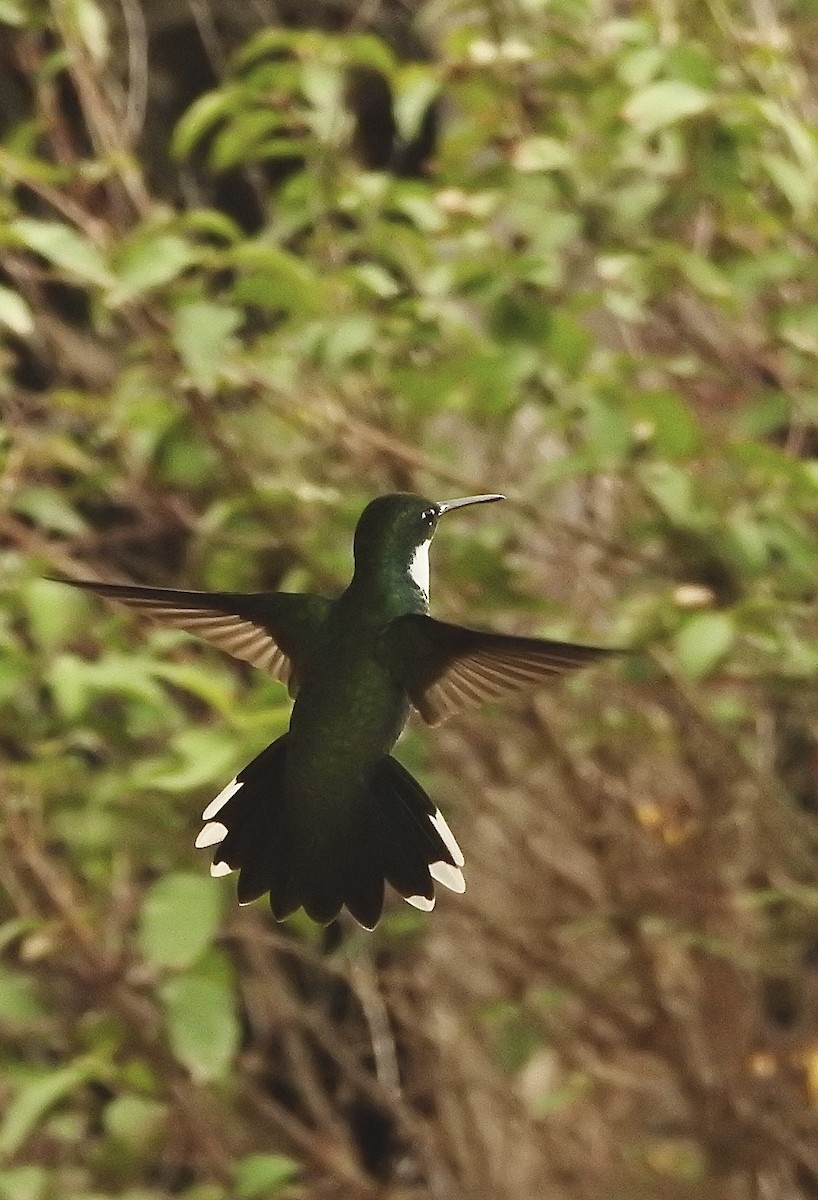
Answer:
(271, 630)
(449, 668)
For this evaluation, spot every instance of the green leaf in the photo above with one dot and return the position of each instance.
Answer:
(205, 113)
(666, 422)
(20, 1001)
(15, 674)
(542, 154)
(239, 140)
(92, 26)
(28, 1182)
(351, 337)
(37, 1097)
(68, 684)
(664, 103)
(671, 488)
(277, 280)
(415, 88)
(202, 1026)
(64, 247)
(55, 613)
(607, 430)
(799, 327)
(14, 12)
(185, 460)
(135, 1121)
(703, 641)
(180, 917)
(125, 675)
(50, 509)
(205, 756)
(366, 50)
(147, 262)
(261, 1175)
(702, 274)
(203, 334)
(15, 313)
(213, 687)
(377, 280)
(796, 184)
(639, 66)
(272, 42)
(323, 86)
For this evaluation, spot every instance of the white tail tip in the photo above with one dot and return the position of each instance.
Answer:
(224, 795)
(220, 868)
(421, 902)
(212, 833)
(451, 877)
(439, 822)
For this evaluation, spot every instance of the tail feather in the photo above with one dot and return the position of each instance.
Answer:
(394, 785)
(364, 891)
(399, 857)
(253, 816)
(393, 833)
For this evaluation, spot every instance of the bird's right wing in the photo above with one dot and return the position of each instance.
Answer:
(271, 630)
(449, 668)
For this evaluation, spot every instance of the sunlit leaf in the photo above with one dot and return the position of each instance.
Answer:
(200, 119)
(92, 26)
(203, 334)
(13, 12)
(349, 338)
(15, 314)
(37, 1097)
(135, 1121)
(367, 50)
(202, 1026)
(50, 508)
(262, 1175)
(268, 42)
(666, 422)
(203, 757)
(65, 247)
(29, 1182)
(796, 184)
(181, 915)
(415, 89)
(241, 137)
(541, 154)
(20, 1001)
(703, 641)
(55, 613)
(799, 326)
(665, 102)
(672, 489)
(147, 262)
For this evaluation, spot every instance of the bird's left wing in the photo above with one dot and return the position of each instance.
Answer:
(271, 630)
(448, 668)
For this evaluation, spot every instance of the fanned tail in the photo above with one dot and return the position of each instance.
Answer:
(392, 832)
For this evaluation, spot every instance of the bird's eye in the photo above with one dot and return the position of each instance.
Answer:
(428, 516)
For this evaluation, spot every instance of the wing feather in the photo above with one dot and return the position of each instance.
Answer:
(447, 669)
(270, 630)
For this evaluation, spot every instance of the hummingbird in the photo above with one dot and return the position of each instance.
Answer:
(325, 815)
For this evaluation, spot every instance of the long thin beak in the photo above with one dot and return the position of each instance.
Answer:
(447, 505)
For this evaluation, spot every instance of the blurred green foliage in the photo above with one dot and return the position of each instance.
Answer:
(597, 293)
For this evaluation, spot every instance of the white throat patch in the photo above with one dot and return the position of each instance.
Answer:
(419, 568)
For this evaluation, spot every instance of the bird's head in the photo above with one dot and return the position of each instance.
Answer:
(394, 532)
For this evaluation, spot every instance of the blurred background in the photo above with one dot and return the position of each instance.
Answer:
(257, 265)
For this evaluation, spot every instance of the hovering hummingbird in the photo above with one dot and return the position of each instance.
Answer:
(325, 815)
